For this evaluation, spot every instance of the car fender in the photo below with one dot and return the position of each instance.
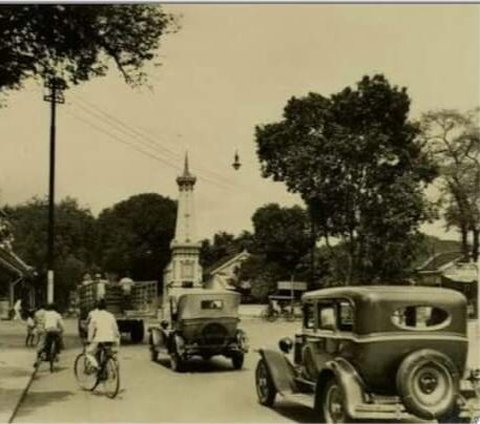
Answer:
(348, 378)
(281, 370)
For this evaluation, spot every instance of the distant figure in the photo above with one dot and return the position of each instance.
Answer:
(17, 310)
(31, 330)
(127, 284)
(87, 279)
(100, 285)
(39, 319)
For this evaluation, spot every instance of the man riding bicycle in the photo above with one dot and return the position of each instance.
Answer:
(52, 328)
(102, 328)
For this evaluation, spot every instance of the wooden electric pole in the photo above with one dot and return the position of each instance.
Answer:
(54, 96)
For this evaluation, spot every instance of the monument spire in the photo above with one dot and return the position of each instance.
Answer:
(184, 269)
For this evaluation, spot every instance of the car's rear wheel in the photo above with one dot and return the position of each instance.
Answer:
(428, 383)
(332, 403)
(266, 390)
(237, 360)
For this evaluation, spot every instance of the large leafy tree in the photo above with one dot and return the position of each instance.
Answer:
(282, 235)
(453, 139)
(355, 160)
(77, 42)
(74, 241)
(134, 236)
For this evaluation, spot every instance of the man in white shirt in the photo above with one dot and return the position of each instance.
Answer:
(52, 325)
(102, 328)
(127, 285)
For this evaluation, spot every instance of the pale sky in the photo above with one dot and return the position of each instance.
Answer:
(229, 68)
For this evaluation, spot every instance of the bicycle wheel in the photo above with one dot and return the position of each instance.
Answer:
(52, 354)
(85, 374)
(112, 378)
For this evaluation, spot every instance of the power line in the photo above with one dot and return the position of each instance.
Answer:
(152, 139)
(136, 147)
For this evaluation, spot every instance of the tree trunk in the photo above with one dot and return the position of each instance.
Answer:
(475, 234)
(465, 249)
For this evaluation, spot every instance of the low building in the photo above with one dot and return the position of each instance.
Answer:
(223, 274)
(449, 270)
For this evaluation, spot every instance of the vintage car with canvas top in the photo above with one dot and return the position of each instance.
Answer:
(376, 353)
(201, 322)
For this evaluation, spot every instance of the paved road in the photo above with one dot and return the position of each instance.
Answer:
(208, 392)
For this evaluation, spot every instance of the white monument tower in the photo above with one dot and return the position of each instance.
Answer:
(184, 269)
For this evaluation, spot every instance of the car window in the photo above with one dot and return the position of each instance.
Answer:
(418, 317)
(308, 316)
(345, 316)
(212, 304)
(326, 316)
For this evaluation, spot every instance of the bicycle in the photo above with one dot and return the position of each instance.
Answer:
(271, 314)
(108, 371)
(50, 350)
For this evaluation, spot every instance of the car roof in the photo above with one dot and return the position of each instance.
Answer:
(388, 292)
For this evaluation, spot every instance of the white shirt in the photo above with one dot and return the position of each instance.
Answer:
(53, 321)
(127, 284)
(103, 327)
(40, 319)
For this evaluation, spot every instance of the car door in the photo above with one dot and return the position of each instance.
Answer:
(316, 348)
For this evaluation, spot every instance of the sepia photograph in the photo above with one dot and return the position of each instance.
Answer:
(239, 212)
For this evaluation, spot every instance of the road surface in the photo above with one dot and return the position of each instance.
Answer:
(150, 392)
(208, 392)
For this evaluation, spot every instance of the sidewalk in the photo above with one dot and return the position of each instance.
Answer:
(16, 367)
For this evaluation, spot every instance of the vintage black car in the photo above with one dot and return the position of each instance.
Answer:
(201, 322)
(376, 353)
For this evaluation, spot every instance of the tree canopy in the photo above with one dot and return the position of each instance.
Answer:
(74, 241)
(282, 234)
(134, 236)
(77, 42)
(453, 140)
(355, 160)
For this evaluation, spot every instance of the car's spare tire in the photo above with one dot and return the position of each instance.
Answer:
(214, 334)
(428, 383)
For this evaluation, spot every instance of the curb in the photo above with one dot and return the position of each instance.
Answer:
(22, 396)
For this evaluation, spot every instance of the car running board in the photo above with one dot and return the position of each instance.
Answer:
(304, 399)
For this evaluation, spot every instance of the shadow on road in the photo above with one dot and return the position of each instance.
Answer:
(295, 412)
(39, 399)
(198, 365)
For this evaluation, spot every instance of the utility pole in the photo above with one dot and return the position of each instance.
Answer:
(54, 96)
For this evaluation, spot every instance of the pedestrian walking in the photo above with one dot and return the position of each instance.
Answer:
(31, 330)
(17, 310)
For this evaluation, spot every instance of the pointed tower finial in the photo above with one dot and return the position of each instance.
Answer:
(185, 168)
(186, 179)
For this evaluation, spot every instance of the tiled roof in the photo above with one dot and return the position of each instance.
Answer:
(12, 263)
(435, 262)
(223, 261)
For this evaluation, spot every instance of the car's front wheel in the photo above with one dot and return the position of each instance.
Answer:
(177, 363)
(266, 391)
(237, 360)
(332, 403)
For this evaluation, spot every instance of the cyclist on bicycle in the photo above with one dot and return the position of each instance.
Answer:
(53, 327)
(102, 328)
